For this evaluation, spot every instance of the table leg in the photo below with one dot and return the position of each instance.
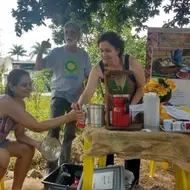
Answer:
(188, 179)
(185, 179)
(178, 179)
(182, 178)
(152, 168)
(88, 168)
(102, 162)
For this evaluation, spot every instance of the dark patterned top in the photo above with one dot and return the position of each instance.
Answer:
(6, 124)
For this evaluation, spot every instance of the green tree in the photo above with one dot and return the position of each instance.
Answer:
(35, 50)
(39, 86)
(134, 45)
(17, 50)
(90, 13)
(36, 100)
(47, 74)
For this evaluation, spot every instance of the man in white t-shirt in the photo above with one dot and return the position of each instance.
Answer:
(70, 65)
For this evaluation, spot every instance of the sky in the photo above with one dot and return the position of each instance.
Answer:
(8, 36)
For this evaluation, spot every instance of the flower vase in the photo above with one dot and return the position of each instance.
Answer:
(166, 97)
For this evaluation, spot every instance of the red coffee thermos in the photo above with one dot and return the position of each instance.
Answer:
(120, 112)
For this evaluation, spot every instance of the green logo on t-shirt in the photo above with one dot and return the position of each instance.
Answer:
(71, 66)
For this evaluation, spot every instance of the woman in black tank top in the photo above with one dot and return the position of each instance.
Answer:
(111, 49)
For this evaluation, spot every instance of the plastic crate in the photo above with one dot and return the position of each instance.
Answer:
(56, 182)
(112, 173)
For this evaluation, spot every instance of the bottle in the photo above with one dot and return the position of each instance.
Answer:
(151, 106)
(82, 124)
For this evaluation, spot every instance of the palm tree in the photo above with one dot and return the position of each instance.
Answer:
(18, 50)
(35, 50)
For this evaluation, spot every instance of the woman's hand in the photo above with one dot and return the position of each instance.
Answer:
(76, 106)
(77, 115)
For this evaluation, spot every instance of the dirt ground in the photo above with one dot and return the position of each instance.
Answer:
(30, 184)
(162, 177)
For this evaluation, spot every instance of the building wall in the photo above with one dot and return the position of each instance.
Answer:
(7, 64)
(10, 64)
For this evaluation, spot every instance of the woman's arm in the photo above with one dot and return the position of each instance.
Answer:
(23, 138)
(91, 85)
(12, 109)
(140, 79)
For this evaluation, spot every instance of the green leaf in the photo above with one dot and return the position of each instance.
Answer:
(115, 13)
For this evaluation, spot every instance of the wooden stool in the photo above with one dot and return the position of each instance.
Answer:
(2, 187)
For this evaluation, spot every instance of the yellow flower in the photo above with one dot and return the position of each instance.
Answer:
(162, 91)
(150, 86)
(163, 113)
(171, 84)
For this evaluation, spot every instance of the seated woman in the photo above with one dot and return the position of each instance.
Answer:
(111, 49)
(13, 116)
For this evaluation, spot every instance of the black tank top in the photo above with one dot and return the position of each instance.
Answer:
(126, 68)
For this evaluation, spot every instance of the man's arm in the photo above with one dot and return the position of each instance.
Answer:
(39, 60)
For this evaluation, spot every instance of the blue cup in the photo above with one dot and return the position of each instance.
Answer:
(168, 124)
